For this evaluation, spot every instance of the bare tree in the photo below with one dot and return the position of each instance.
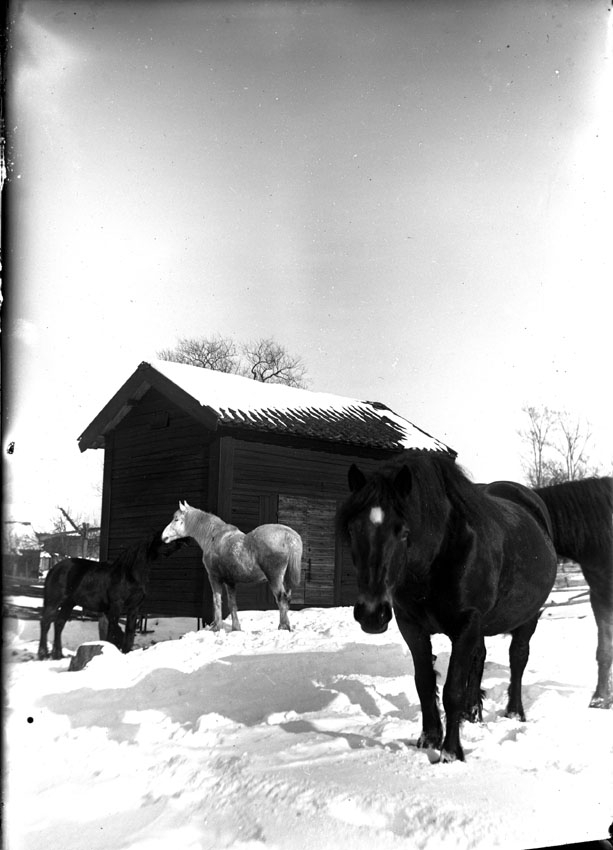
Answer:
(267, 361)
(217, 353)
(82, 528)
(572, 446)
(557, 447)
(537, 438)
(262, 360)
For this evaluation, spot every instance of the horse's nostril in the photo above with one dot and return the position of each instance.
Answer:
(385, 613)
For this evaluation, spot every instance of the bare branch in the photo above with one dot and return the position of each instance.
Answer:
(217, 353)
(573, 446)
(537, 438)
(69, 518)
(557, 447)
(262, 360)
(269, 362)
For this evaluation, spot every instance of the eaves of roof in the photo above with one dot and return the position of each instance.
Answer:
(307, 415)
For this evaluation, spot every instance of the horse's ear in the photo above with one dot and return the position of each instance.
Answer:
(403, 480)
(183, 506)
(356, 478)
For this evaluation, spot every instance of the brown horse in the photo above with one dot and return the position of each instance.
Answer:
(581, 528)
(107, 589)
(270, 553)
(581, 515)
(445, 555)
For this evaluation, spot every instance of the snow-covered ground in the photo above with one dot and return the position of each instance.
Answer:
(271, 740)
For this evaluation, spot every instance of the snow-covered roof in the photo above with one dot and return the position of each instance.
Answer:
(18, 536)
(219, 399)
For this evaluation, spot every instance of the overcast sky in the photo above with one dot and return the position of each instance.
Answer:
(415, 197)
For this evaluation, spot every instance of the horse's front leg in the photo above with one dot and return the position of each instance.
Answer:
(420, 644)
(103, 627)
(465, 645)
(130, 632)
(231, 591)
(115, 634)
(603, 695)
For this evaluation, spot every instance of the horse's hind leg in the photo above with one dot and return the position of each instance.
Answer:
(473, 711)
(62, 617)
(519, 652)
(231, 592)
(283, 598)
(603, 695)
(45, 621)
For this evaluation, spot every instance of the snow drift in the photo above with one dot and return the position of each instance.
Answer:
(267, 739)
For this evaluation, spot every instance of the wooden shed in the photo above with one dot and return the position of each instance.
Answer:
(247, 451)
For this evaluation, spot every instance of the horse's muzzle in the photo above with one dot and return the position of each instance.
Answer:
(373, 619)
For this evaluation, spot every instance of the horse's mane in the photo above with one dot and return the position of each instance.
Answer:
(432, 473)
(146, 550)
(581, 516)
(199, 520)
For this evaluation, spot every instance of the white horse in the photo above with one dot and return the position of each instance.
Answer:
(270, 552)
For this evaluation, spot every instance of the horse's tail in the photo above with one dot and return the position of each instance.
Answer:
(294, 561)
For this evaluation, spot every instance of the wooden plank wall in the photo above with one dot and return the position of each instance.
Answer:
(158, 456)
(308, 486)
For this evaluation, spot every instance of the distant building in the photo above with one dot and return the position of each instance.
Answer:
(26, 552)
(72, 544)
(20, 549)
(247, 451)
(19, 537)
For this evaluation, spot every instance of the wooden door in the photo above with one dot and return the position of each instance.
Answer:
(313, 519)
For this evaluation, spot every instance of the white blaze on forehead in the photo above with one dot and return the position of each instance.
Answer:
(376, 516)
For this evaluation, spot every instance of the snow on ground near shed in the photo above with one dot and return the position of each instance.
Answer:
(267, 739)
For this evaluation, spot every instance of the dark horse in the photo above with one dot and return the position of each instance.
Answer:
(449, 557)
(581, 515)
(107, 589)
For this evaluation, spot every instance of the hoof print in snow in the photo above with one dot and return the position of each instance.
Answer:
(87, 651)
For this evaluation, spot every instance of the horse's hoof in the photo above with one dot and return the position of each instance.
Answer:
(601, 702)
(515, 715)
(447, 757)
(429, 742)
(473, 715)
